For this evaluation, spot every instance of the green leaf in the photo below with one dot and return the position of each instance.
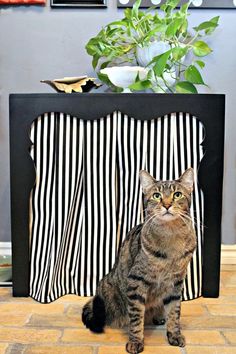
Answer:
(135, 8)
(184, 7)
(192, 75)
(214, 20)
(173, 27)
(183, 28)
(128, 13)
(185, 87)
(118, 23)
(159, 28)
(95, 60)
(160, 63)
(201, 49)
(105, 64)
(104, 78)
(205, 26)
(166, 8)
(179, 52)
(91, 46)
(200, 63)
(140, 85)
(172, 3)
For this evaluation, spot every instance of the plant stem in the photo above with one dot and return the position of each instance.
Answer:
(167, 85)
(158, 84)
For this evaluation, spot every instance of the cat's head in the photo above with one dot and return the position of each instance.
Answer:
(167, 200)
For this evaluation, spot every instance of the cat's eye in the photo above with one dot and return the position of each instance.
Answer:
(177, 195)
(156, 196)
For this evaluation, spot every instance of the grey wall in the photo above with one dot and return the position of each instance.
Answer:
(40, 43)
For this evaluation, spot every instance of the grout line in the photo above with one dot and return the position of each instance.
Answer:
(225, 338)
(183, 351)
(27, 322)
(206, 309)
(95, 350)
(59, 340)
(66, 308)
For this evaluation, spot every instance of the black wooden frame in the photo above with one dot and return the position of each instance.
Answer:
(79, 3)
(207, 4)
(25, 108)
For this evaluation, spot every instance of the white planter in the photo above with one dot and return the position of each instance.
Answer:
(146, 54)
(124, 76)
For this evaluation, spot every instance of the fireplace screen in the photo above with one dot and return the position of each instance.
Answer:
(87, 194)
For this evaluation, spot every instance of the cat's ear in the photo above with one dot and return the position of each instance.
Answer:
(187, 179)
(146, 180)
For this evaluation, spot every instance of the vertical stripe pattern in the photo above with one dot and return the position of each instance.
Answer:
(87, 194)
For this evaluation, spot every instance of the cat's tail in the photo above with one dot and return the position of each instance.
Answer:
(94, 314)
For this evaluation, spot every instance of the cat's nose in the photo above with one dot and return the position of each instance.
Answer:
(167, 206)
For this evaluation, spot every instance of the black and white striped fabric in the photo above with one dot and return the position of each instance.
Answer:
(87, 194)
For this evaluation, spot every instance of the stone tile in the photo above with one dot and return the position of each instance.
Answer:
(79, 300)
(54, 320)
(210, 350)
(55, 349)
(28, 335)
(231, 336)
(229, 267)
(28, 308)
(231, 299)
(228, 291)
(6, 296)
(11, 319)
(188, 309)
(5, 291)
(74, 310)
(155, 337)
(208, 322)
(204, 337)
(112, 336)
(147, 350)
(86, 336)
(228, 278)
(225, 310)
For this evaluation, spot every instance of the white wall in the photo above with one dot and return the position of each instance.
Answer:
(40, 43)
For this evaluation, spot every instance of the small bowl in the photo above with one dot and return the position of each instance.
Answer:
(5, 268)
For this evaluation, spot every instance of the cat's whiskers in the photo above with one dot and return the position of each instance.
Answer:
(148, 222)
(195, 221)
(183, 219)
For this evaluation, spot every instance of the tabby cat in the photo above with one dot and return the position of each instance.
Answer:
(146, 282)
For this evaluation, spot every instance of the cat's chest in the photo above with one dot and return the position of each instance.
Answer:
(163, 281)
(168, 267)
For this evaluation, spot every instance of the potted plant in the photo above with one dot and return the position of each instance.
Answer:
(159, 42)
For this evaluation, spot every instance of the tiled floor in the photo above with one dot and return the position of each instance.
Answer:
(29, 327)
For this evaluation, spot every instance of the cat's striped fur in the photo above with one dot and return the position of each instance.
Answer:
(146, 282)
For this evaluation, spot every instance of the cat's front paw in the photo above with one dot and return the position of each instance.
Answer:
(134, 347)
(176, 339)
